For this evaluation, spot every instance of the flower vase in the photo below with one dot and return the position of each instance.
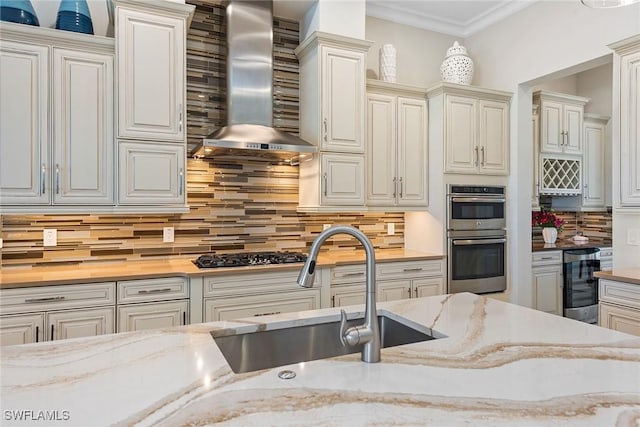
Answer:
(20, 11)
(457, 67)
(549, 234)
(74, 15)
(388, 63)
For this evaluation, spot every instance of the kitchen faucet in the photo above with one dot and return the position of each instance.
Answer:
(369, 333)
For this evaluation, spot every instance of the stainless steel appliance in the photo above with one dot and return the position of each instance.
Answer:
(248, 258)
(477, 239)
(580, 296)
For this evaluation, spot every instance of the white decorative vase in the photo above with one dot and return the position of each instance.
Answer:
(549, 234)
(457, 67)
(388, 63)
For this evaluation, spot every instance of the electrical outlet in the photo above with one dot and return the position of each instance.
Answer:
(50, 237)
(167, 234)
(633, 236)
(325, 226)
(391, 229)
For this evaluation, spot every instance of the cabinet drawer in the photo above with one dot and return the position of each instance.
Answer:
(44, 298)
(403, 269)
(546, 258)
(131, 291)
(251, 283)
(621, 319)
(142, 317)
(352, 273)
(619, 293)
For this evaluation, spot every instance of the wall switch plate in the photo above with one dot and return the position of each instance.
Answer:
(50, 237)
(325, 226)
(633, 236)
(167, 234)
(391, 229)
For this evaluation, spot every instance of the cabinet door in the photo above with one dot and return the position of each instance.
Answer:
(348, 295)
(151, 173)
(83, 127)
(381, 150)
(80, 323)
(629, 129)
(21, 329)
(393, 290)
(260, 305)
(547, 289)
(342, 99)
(551, 127)
(621, 319)
(412, 152)
(24, 156)
(494, 137)
(150, 51)
(427, 287)
(342, 179)
(140, 317)
(593, 167)
(461, 147)
(535, 191)
(573, 129)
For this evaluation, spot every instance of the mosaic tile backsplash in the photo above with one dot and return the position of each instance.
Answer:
(596, 225)
(235, 206)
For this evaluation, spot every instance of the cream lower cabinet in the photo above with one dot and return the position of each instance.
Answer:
(619, 306)
(239, 295)
(546, 281)
(47, 313)
(152, 303)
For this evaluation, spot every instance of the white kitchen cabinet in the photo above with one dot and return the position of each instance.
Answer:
(250, 294)
(472, 124)
(151, 173)
(152, 303)
(561, 122)
(396, 146)
(546, 281)
(619, 306)
(45, 313)
(68, 78)
(332, 90)
(626, 130)
(151, 70)
(594, 168)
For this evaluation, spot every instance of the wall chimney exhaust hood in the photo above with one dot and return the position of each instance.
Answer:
(249, 131)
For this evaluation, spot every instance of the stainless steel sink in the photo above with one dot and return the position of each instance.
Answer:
(268, 349)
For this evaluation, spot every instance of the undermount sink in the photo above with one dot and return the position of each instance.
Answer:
(268, 349)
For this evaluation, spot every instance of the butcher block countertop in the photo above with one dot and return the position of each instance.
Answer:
(628, 275)
(498, 364)
(106, 271)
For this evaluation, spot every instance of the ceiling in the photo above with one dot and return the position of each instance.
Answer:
(460, 18)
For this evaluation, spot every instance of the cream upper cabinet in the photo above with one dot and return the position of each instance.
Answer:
(65, 164)
(396, 145)
(332, 90)
(535, 190)
(626, 130)
(151, 72)
(473, 125)
(561, 122)
(594, 167)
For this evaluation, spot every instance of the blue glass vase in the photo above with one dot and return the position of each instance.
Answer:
(20, 11)
(73, 15)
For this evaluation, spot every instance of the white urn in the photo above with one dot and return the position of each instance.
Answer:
(457, 67)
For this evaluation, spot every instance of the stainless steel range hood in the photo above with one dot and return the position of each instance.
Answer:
(249, 131)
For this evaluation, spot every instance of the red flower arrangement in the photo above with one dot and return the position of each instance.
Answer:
(546, 218)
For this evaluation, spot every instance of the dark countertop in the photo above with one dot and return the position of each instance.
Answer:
(562, 244)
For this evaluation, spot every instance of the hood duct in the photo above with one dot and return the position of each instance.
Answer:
(249, 131)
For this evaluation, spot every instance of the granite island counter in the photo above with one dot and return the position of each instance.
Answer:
(500, 364)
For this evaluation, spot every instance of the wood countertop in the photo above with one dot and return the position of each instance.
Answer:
(628, 275)
(106, 271)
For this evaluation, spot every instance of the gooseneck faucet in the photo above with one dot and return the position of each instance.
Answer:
(369, 333)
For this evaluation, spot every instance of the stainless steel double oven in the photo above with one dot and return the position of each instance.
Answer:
(477, 238)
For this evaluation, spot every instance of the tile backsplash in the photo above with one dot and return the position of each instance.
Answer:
(596, 225)
(235, 206)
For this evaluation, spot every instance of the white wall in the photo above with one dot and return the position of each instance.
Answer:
(345, 18)
(568, 85)
(596, 84)
(419, 53)
(550, 39)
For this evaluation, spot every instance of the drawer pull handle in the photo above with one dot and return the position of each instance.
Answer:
(48, 299)
(546, 257)
(412, 269)
(360, 273)
(154, 291)
(37, 333)
(266, 314)
(51, 332)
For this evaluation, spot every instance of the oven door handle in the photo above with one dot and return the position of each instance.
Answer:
(476, 199)
(477, 242)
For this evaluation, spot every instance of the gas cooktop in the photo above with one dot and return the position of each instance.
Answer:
(248, 258)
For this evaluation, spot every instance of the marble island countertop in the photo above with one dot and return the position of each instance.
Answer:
(500, 364)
